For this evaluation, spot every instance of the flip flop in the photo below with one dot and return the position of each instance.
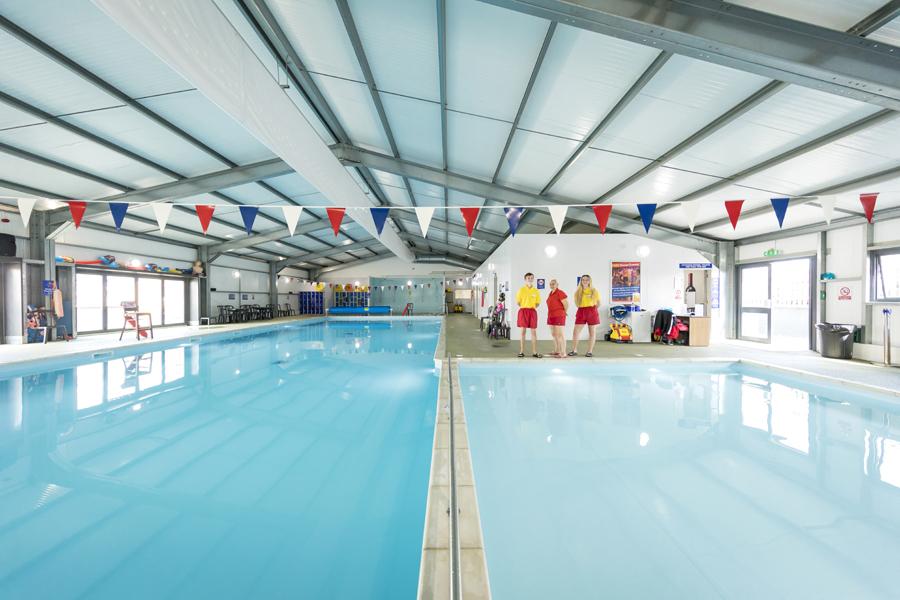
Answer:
(588, 355)
(572, 353)
(521, 355)
(537, 356)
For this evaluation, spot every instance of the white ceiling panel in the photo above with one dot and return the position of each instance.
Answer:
(38, 81)
(662, 185)
(400, 42)
(683, 97)
(10, 117)
(292, 185)
(251, 193)
(490, 55)
(475, 144)
(869, 151)
(316, 32)
(198, 116)
(428, 191)
(416, 125)
(533, 159)
(126, 128)
(582, 77)
(594, 173)
(84, 34)
(73, 150)
(833, 14)
(792, 117)
(352, 103)
(25, 172)
(393, 187)
(889, 34)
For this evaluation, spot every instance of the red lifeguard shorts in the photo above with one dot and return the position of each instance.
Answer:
(527, 318)
(587, 315)
(556, 320)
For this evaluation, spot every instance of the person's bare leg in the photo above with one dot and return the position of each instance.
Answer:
(575, 335)
(592, 330)
(534, 341)
(561, 332)
(522, 341)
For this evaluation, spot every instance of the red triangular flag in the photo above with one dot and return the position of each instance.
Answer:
(734, 211)
(470, 215)
(205, 213)
(602, 213)
(76, 207)
(868, 202)
(335, 215)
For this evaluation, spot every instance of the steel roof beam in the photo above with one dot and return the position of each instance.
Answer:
(273, 235)
(881, 215)
(877, 19)
(315, 274)
(741, 38)
(296, 260)
(510, 196)
(442, 246)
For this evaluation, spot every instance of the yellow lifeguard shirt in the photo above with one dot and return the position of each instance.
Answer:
(528, 297)
(589, 297)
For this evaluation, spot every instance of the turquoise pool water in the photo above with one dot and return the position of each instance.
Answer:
(669, 481)
(291, 463)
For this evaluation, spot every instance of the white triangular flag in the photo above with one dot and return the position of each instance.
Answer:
(424, 215)
(827, 203)
(25, 207)
(291, 217)
(558, 214)
(162, 210)
(690, 210)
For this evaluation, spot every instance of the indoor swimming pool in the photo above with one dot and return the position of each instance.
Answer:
(286, 462)
(685, 480)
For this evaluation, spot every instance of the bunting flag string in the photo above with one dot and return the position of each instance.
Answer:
(26, 205)
(602, 212)
(379, 216)
(734, 211)
(118, 210)
(470, 216)
(780, 206)
(690, 209)
(647, 211)
(335, 216)
(424, 214)
(558, 215)
(827, 203)
(291, 217)
(248, 215)
(77, 208)
(162, 210)
(513, 217)
(868, 202)
(205, 214)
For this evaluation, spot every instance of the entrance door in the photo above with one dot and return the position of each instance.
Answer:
(775, 303)
(755, 322)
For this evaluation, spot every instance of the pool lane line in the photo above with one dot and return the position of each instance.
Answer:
(455, 582)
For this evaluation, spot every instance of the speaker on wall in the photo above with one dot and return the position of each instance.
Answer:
(7, 244)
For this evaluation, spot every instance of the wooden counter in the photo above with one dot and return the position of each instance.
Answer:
(698, 329)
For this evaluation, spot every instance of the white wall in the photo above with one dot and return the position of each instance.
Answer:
(592, 254)
(387, 267)
(253, 282)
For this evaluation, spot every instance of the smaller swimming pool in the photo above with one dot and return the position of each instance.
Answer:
(682, 480)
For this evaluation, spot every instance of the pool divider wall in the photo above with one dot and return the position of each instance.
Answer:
(435, 567)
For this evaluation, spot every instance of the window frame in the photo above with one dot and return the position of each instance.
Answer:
(876, 275)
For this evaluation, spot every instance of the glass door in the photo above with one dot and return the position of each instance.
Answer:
(755, 308)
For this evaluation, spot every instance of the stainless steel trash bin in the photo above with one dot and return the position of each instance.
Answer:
(835, 341)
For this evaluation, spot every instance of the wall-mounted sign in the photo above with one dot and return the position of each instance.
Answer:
(625, 282)
(232, 296)
(47, 287)
(714, 292)
(540, 284)
(845, 294)
(695, 265)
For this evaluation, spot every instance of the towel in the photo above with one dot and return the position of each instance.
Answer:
(58, 303)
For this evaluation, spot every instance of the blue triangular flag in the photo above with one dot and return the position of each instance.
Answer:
(379, 216)
(779, 205)
(647, 211)
(118, 210)
(248, 214)
(513, 216)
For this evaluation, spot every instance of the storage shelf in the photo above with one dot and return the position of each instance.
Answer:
(840, 279)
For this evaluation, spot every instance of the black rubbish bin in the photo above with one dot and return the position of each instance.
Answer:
(835, 341)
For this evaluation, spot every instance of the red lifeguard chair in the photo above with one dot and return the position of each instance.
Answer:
(132, 318)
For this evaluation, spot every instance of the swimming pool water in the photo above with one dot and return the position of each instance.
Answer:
(673, 481)
(291, 463)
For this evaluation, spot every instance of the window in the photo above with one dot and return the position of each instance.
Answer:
(173, 301)
(885, 275)
(89, 302)
(149, 298)
(119, 289)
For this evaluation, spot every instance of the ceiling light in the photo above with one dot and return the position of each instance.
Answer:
(643, 251)
(135, 262)
(347, 242)
(236, 274)
(550, 251)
